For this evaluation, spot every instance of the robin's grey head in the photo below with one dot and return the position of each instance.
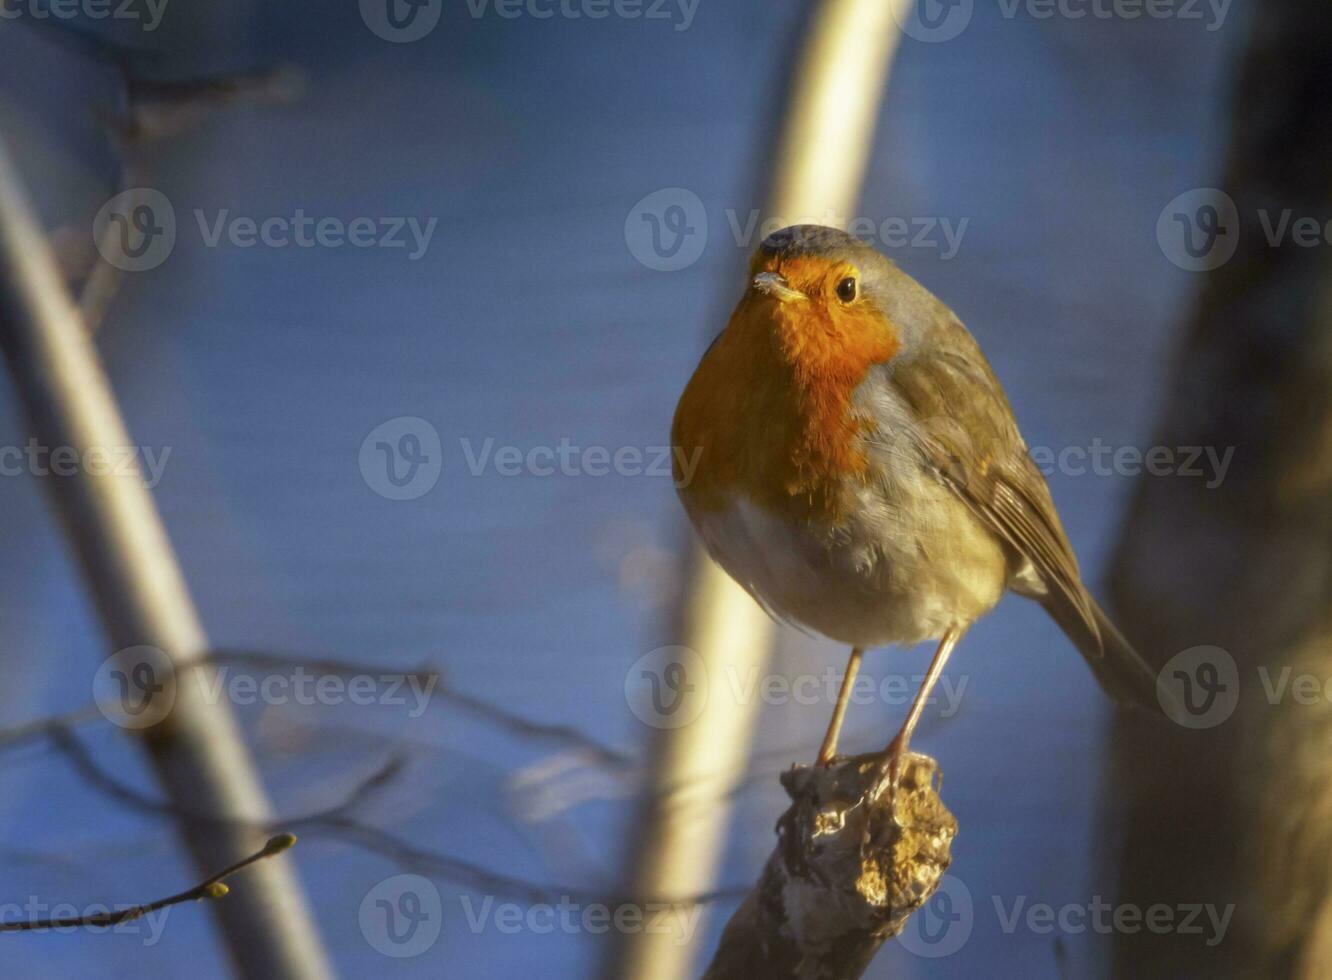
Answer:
(832, 278)
(807, 252)
(822, 240)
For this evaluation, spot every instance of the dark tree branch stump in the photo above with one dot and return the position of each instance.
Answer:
(850, 866)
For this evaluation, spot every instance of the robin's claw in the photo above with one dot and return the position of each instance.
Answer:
(890, 765)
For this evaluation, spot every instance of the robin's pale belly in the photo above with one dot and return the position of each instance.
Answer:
(906, 563)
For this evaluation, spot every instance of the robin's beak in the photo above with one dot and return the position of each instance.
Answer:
(775, 285)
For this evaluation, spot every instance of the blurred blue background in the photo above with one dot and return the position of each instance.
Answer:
(528, 320)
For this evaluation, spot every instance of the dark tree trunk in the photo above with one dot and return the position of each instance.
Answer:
(1239, 809)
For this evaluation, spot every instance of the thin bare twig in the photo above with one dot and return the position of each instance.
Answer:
(148, 110)
(212, 887)
(338, 822)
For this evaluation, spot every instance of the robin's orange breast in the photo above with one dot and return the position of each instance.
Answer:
(863, 545)
(768, 412)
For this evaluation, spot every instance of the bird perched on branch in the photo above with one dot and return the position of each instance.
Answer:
(859, 471)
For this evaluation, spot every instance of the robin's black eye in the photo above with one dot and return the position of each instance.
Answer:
(846, 289)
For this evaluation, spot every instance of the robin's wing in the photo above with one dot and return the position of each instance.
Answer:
(960, 423)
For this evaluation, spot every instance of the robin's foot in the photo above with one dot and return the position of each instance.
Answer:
(890, 763)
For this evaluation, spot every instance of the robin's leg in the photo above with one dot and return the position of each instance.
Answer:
(898, 747)
(829, 747)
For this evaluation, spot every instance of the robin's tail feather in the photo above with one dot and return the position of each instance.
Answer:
(1123, 674)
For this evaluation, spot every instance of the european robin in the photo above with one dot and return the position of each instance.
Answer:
(859, 471)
